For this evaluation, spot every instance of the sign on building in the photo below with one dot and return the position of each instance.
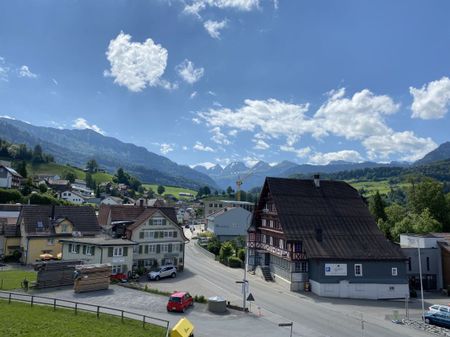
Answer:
(335, 269)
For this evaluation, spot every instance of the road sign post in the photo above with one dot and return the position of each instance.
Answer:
(287, 324)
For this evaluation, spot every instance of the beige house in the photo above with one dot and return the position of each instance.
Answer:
(160, 239)
(99, 250)
(42, 226)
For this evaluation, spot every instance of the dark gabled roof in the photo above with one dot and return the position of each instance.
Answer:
(12, 231)
(82, 217)
(118, 213)
(335, 212)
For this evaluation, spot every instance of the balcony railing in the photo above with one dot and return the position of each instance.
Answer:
(293, 256)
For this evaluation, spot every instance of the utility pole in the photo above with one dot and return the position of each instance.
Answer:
(420, 275)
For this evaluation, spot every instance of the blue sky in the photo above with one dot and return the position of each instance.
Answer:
(213, 81)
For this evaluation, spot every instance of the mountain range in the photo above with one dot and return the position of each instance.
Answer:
(76, 147)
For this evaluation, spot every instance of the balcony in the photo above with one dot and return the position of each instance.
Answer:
(292, 256)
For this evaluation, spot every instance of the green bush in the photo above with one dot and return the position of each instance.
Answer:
(241, 254)
(226, 251)
(7, 196)
(234, 262)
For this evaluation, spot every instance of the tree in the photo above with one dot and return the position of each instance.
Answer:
(7, 196)
(429, 194)
(37, 154)
(92, 166)
(22, 168)
(206, 190)
(394, 214)
(376, 207)
(226, 251)
(230, 191)
(70, 176)
(43, 188)
(134, 183)
(214, 245)
(416, 223)
(161, 189)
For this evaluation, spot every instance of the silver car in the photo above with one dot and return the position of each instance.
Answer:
(163, 271)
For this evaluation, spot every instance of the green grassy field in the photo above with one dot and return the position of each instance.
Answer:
(172, 190)
(19, 319)
(61, 170)
(12, 279)
(371, 187)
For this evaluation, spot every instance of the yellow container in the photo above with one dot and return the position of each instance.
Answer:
(183, 328)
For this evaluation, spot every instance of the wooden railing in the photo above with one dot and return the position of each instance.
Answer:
(294, 256)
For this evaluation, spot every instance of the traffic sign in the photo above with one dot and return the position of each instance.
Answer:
(250, 298)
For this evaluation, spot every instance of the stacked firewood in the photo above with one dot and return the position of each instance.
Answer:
(91, 277)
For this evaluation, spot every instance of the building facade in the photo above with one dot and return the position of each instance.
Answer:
(9, 178)
(43, 226)
(321, 233)
(229, 223)
(160, 239)
(213, 206)
(9, 233)
(72, 197)
(99, 250)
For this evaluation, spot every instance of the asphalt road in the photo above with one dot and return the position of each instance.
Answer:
(312, 315)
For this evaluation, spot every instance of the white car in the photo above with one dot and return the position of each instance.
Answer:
(439, 308)
(164, 271)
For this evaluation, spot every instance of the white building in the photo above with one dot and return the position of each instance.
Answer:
(229, 223)
(9, 178)
(112, 201)
(73, 197)
(98, 250)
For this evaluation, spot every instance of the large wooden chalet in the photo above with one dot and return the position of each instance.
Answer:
(322, 233)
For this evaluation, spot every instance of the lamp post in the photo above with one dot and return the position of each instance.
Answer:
(420, 276)
(287, 324)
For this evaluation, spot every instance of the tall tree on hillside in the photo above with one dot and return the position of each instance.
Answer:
(70, 176)
(92, 166)
(22, 168)
(376, 207)
(121, 176)
(161, 189)
(230, 191)
(416, 223)
(90, 183)
(37, 154)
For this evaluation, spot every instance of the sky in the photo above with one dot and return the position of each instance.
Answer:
(216, 81)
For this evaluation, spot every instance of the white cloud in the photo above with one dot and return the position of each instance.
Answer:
(405, 143)
(214, 27)
(206, 165)
(357, 117)
(7, 117)
(188, 72)
(185, 148)
(136, 65)
(233, 133)
(302, 152)
(196, 6)
(432, 101)
(24, 71)
(200, 147)
(260, 144)
(165, 148)
(4, 70)
(196, 120)
(81, 123)
(270, 118)
(250, 161)
(192, 96)
(212, 93)
(325, 158)
(219, 137)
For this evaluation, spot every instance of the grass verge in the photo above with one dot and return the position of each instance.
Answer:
(19, 319)
(12, 279)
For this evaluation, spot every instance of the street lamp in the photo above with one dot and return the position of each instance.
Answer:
(420, 275)
(287, 324)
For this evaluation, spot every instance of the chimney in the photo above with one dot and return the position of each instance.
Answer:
(141, 202)
(317, 180)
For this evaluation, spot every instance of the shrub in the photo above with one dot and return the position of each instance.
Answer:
(241, 254)
(7, 196)
(226, 251)
(234, 262)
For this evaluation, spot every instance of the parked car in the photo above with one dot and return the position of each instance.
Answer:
(119, 277)
(439, 308)
(164, 271)
(180, 301)
(438, 318)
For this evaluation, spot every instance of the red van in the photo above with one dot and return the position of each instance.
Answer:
(179, 301)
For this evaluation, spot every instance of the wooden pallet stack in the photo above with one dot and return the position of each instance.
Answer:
(55, 273)
(91, 277)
